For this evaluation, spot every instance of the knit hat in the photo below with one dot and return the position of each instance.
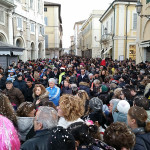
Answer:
(96, 104)
(123, 106)
(104, 88)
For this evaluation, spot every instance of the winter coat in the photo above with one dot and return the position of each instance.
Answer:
(65, 124)
(15, 96)
(66, 90)
(96, 145)
(39, 142)
(24, 126)
(142, 139)
(118, 116)
(43, 98)
(84, 79)
(20, 85)
(2, 83)
(28, 93)
(85, 86)
(54, 94)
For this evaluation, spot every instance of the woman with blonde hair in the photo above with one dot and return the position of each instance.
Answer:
(40, 95)
(70, 109)
(137, 121)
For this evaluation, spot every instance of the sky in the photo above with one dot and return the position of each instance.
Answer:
(76, 10)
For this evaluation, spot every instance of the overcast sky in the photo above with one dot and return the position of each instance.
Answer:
(76, 10)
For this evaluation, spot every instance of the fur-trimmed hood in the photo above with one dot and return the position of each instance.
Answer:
(45, 95)
(84, 84)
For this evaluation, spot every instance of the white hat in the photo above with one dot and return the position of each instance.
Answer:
(62, 68)
(123, 106)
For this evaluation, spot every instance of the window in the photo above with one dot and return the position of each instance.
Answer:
(31, 4)
(134, 21)
(41, 30)
(2, 16)
(107, 26)
(19, 22)
(39, 6)
(103, 30)
(46, 21)
(32, 27)
(46, 41)
(45, 9)
(111, 24)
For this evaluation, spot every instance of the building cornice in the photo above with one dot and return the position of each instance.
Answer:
(116, 2)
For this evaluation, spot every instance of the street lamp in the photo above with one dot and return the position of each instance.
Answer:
(139, 9)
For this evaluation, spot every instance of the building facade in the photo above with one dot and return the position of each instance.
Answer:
(6, 27)
(72, 49)
(89, 35)
(118, 30)
(23, 26)
(77, 28)
(143, 33)
(53, 30)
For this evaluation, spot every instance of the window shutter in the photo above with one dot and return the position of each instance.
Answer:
(134, 21)
(1, 16)
(46, 21)
(46, 41)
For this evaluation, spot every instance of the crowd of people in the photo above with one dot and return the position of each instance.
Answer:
(75, 103)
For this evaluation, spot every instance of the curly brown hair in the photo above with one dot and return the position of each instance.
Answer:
(6, 109)
(118, 135)
(24, 109)
(43, 89)
(72, 107)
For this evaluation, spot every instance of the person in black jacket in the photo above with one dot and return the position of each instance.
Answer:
(137, 121)
(19, 83)
(83, 77)
(46, 118)
(66, 89)
(2, 81)
(29, 90)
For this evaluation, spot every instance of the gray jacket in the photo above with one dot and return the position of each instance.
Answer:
(24, 126)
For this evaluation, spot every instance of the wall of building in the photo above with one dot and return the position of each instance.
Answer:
(52, 30)
(143, 34)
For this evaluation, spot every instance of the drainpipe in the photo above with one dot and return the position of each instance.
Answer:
(100, 39)
(113, 49)
(126, 30)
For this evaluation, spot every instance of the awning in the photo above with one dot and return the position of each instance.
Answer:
(145, 44)
(17, 53)
(6, 49)
(4, 52)
(107, 51)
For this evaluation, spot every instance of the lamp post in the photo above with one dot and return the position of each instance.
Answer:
(139, 10)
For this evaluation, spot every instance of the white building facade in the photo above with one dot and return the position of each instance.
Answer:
(90, 35)
(28, 28)
(23, 26)
(77, 28)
